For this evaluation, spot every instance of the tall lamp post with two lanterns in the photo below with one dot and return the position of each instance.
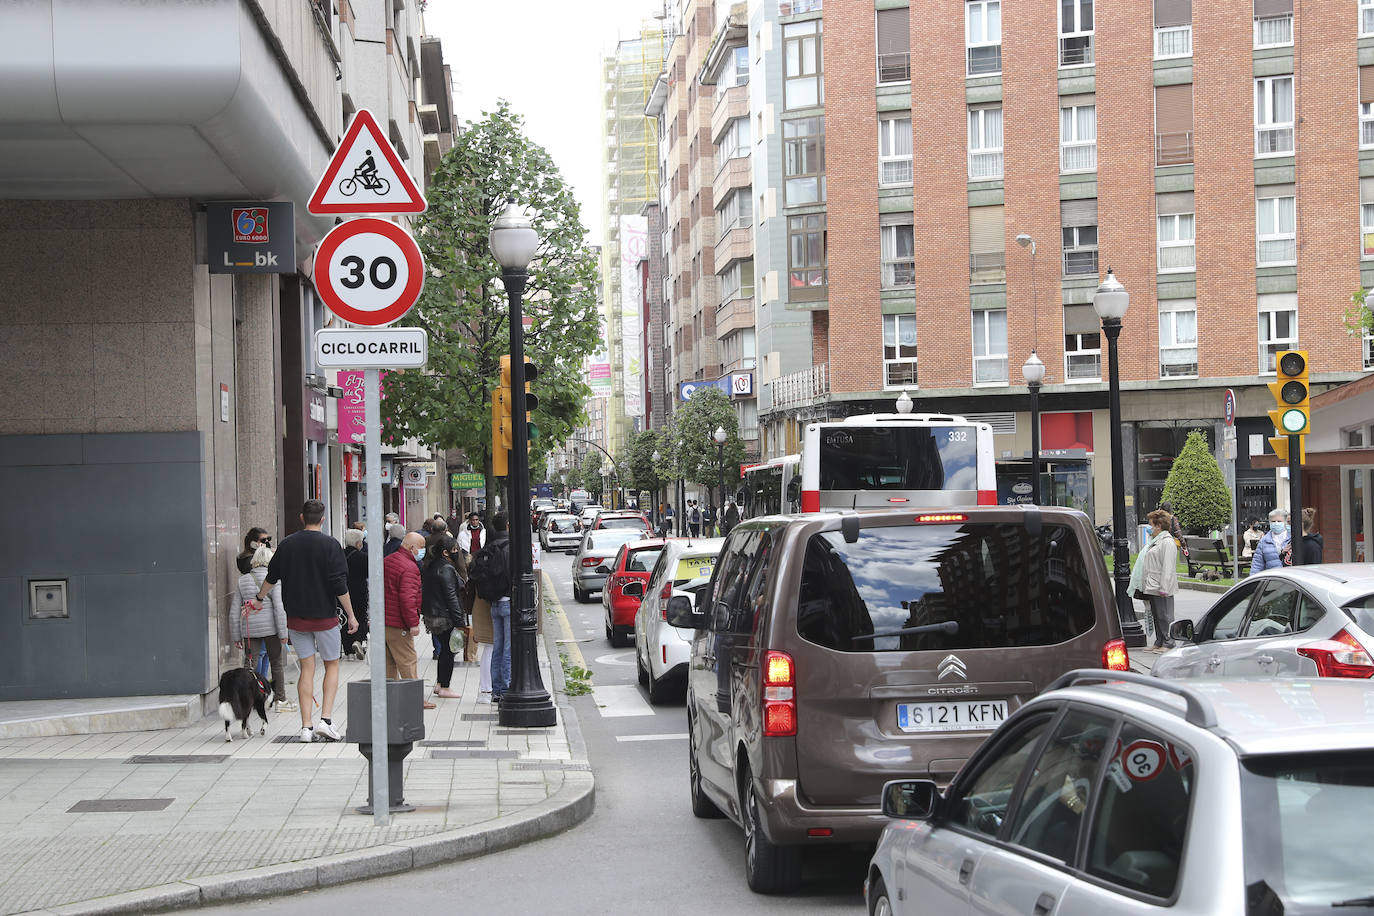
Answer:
(1110, 303)
(527, 703)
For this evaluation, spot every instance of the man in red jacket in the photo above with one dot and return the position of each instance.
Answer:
(401, 577)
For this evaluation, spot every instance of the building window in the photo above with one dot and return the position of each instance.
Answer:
(987, 244)
(1276, 228)
(899, 255)
(1178, 338)
(737, 212)
(733, 142)
(894, 150)
(1077, 138)
(1278, 328)
(899, 351)
(1177, 249)
(1078, 219)
(735, 71)
(983, 36)
(802, 86)
(1367, 17)
(803, 161)
(1174, 124)
(1367, 230)
(737, 281)
(1173, 28)
(1274, 116)
(1367, 347)
(990, 347)
(1367, 107)
(806, 277)
(984, 143)
(1273, 23)
(1083, 357)
(1075, 33)
(894, 45)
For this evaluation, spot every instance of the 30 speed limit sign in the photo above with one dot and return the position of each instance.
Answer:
(369, 271)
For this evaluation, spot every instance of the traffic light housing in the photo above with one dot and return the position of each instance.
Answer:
(501, 422)
(1292, 413)
(1280, 446)
(531, 400)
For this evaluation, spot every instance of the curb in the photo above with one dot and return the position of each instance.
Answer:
(566, 808)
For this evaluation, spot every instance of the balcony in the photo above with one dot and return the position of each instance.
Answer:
(801, 388)
(894, 67)
(984, 60)
(987, 267)
(1076, 51)
(735, 314)
(1174, 149)
(796, 7)
(1080, 263)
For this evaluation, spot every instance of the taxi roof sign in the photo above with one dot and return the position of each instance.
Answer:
(365, 175)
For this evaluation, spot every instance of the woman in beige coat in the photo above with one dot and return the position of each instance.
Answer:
(1159, 575)
(482, 636)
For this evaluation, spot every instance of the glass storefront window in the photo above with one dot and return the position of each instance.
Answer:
(1355, 551)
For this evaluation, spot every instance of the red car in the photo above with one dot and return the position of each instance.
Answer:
(633, 563)
(623, 520)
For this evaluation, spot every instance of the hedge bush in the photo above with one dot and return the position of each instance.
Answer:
(1197, 489)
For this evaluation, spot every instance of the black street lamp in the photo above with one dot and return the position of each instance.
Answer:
(1034, 373)
(1110, 302)
(526, 703)
(720, 436)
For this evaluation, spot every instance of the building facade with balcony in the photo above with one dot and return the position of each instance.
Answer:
(944, 220)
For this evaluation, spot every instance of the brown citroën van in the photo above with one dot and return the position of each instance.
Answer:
(836, 651)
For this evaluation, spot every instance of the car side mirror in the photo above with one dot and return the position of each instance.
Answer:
(1182, 631)
(681, 613)
(633, 590)
(911, 799)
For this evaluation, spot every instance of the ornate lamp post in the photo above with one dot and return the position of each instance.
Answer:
(1034, 373)
(1110, 302)
(526, 704)
(720, 436)
(904, 402)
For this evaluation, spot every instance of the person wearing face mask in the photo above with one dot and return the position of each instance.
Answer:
(1269, 550)
(403, 593)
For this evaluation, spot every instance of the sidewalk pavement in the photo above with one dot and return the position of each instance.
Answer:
(136, 821)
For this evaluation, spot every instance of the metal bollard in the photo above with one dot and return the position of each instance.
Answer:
(405, 701)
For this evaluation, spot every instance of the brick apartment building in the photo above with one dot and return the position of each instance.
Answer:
(1219, 157)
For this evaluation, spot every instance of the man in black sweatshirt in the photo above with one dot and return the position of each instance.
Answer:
(310, 566)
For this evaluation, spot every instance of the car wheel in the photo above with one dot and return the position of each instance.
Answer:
(659, 690)
(880, 905)
(641, 670)
(702, 806)
(768, 867)
(578, 595)
(617, 636)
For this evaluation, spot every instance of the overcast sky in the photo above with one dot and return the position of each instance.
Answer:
(544, 57)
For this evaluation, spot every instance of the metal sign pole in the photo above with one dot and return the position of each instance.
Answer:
(376, 599)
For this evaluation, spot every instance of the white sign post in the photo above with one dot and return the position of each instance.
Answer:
(369, 271)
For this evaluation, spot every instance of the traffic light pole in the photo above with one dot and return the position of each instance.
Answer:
(1295, 497)
(526, 703)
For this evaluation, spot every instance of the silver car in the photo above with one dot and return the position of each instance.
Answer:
(560, 531)
(1298, 621)
(592, 561)
(1116, 793)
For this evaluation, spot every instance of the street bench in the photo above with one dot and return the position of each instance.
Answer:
(1208, 553)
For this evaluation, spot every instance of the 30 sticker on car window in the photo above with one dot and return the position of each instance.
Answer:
(1143, 759)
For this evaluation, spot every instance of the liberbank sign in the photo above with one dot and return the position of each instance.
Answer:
(371, 348)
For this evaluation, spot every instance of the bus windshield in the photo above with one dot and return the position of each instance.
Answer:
(899, 457)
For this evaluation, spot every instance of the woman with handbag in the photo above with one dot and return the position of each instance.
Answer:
(1154, 578)
(441, 604)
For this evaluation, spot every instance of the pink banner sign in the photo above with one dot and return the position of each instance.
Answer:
(352, 417)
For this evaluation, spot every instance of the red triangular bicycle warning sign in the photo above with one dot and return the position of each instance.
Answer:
(365, 175)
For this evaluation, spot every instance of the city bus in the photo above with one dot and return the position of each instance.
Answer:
(771, 488)
(886, 460)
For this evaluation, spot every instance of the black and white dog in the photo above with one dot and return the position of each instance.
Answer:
(241, 693)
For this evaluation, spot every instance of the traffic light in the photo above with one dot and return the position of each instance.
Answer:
(531, 400)
(1292, 413)
(501, 422)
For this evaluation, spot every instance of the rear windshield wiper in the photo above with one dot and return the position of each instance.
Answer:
(948, 627)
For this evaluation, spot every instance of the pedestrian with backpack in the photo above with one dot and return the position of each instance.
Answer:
(490, 572)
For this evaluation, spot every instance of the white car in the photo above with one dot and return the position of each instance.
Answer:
(560, 531)
(662, 650)
(589, 514)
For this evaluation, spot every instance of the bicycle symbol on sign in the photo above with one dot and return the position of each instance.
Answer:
(365, 176)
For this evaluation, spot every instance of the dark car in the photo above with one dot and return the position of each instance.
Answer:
(833, 652)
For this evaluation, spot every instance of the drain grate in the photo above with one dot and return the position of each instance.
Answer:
(551, 765)
(114, 805)
(474, 755)
(453, 744)
(178, 758)
(480, 716)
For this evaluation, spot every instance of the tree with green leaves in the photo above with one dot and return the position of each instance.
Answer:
(464, 308)
(691, 443)
(591, 474)
(640, 464)
(1196, 488)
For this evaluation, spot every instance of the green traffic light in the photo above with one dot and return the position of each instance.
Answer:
(1294, 421)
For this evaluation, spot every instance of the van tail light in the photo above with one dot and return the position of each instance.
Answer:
(1115, 657)
(987, 497)
(666, 594)
(665, 654)
(1340, 656)
(779, 695)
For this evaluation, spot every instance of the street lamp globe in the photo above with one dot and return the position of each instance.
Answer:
(1111, 299)
(904, 402)
(513, 239)
(1034, 370)
(719, 435)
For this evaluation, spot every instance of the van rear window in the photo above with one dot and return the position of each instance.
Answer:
(945, 587)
